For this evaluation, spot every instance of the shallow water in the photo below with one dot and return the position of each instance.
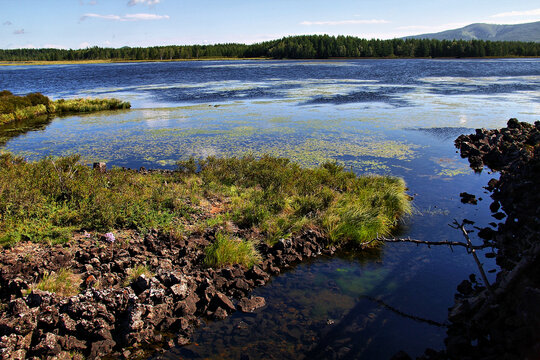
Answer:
(396, 117)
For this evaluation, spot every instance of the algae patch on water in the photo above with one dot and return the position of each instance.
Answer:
(159, 137)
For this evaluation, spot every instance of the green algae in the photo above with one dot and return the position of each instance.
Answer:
(450, 167)
(158, 137)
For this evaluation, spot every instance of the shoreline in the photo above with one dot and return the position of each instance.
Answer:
(120, 61)
(501, 320)
(148, 283)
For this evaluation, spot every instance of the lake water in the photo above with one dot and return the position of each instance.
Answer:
(396, 117)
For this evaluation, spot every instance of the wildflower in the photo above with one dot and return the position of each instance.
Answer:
(109, 237)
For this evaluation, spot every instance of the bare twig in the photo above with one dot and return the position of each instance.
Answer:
(434, 243)
(473, 252)
(401, 313)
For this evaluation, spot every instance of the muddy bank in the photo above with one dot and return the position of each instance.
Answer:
(503, 322)
(112, 318)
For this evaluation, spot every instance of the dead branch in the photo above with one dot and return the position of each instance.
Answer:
(401, 313)
(434, 243)
(473, 252)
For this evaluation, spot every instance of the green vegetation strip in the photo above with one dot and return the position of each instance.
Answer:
(13, 107)
(272, 198)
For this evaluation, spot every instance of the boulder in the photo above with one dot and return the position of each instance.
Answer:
(249, 305)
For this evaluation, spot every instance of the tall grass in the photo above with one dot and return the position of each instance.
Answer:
(47, 200)
(227, 250)
(280, 198)
(87, 105)
(64, 282)
(134, 273)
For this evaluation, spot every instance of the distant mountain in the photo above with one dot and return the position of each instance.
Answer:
(492, 32)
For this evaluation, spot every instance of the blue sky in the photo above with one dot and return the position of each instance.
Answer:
(116, 23)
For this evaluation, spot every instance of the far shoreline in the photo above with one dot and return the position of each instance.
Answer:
(122, 61)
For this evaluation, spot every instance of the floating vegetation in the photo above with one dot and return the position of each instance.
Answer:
(160, 137)
(451, 167)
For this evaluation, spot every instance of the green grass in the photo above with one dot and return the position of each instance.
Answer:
(280, 198)
(87, 105)
(13, 107)
(64, 282)
(47, 200)
(227, 250)
(134, 273)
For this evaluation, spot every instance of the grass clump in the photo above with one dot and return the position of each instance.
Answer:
(280, 198)
(64, 282)
(88, 105)
(13, 107)
(134, 273)
(227, 250)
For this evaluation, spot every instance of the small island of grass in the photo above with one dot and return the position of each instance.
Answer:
(13, 107)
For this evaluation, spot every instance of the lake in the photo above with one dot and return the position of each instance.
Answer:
(397, 117)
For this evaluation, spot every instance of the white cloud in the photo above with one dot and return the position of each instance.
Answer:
(146, 2)
(98, 16)
(135, 17)
(84, 45)
(7, 23)
(28, 46)
(128, 17)
(19, 32)
(344, 22)
(533, 12)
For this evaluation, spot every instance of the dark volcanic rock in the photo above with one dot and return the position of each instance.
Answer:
(249, 305)
(503, 323)
(110, 315)
(467, 198)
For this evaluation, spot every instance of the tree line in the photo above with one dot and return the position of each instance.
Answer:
(293, 47)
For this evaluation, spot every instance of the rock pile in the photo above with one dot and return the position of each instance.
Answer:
(111, 317)
(504, 323)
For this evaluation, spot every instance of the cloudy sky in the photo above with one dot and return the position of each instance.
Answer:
(116, 23)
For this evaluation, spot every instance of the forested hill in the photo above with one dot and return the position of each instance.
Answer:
(294, 47)
(492, 32)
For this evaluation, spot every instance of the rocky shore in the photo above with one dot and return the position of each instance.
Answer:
(503, 321)
(113, 319)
